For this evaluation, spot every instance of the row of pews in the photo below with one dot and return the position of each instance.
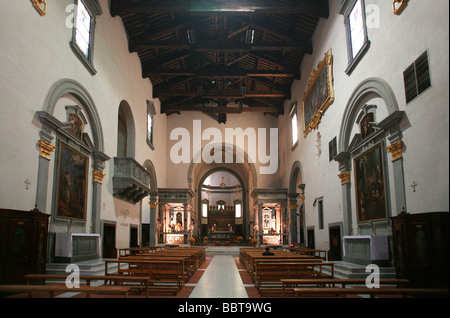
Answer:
(149, 271)
(303, 272)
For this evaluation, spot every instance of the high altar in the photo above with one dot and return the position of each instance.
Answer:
(221, 221)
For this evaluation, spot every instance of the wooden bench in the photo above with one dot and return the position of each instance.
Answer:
(165, 276)
(322, 254)
(51, 289)
(142, 282)
(268, 275)
(392, 291)
(137, 250)
(290, 284)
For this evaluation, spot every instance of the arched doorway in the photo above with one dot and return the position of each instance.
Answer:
(297, 205)
(222, 201)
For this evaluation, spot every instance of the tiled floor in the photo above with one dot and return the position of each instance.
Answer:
(220, 280)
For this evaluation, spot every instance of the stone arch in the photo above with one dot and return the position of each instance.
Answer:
(376, 86)
(74, 88)
(390, 129)
(226, 148)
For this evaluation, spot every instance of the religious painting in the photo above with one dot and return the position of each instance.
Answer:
(76, 128)
(319, 94)
(366, 125)
(370, 186)
(72, 176)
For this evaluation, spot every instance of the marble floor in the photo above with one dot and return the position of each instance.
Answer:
(220, 280)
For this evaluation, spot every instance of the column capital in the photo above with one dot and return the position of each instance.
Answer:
(345, 177)
(45, 149)
(97, 176)
(396, 150)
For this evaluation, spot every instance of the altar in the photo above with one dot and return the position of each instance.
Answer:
(271, 239)
(75, 247)
(220, 235)
(366, 249)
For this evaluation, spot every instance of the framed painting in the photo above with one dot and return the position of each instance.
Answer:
(319, 94)
(72, 176)
(370, 185)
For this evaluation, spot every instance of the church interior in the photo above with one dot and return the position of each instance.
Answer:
(224, 149)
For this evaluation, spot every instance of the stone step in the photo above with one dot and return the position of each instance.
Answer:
(90, 267)
(351, 270)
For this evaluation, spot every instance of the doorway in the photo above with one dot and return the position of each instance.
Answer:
(109, 241)
(134, 236)
(311, 238)
(335, 251)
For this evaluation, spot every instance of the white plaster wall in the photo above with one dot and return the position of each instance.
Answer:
(397, 42)
(177, 172)
(35, 55)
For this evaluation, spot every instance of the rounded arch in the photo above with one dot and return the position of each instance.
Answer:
(376, 86)
(226, 148)
(72, 87)
(148, 165)
(296, 171)
(127, 115)
(245, 198)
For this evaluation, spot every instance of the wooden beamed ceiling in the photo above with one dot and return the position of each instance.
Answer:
(220, 71)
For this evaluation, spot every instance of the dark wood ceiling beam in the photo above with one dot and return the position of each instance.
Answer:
(232, 94)
(216, 7)
(225, 110)
(204, 73)
(220, 47)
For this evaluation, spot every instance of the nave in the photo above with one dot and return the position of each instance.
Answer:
(217, 273)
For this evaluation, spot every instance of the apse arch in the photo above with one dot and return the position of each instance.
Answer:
(245, 198)
(196, 162)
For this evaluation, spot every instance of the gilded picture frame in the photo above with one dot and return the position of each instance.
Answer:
(72, 178)
(319, 94)
(370, 186)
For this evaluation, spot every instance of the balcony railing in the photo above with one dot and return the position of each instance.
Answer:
(130, 181)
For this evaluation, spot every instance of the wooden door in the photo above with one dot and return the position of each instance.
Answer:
(134, 236)
(311, 239)
(335, 251)
(21, 248)
(109, 241)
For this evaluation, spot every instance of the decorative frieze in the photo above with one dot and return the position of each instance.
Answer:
(396, 150)
(345, 177)
(45, 149)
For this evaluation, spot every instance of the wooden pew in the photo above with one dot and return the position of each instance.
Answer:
(322, 254)
(291, 283)
(268, 275)
(143, 283)
(391, 291)
(137, 250)
(166, 276)
(51, 289)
